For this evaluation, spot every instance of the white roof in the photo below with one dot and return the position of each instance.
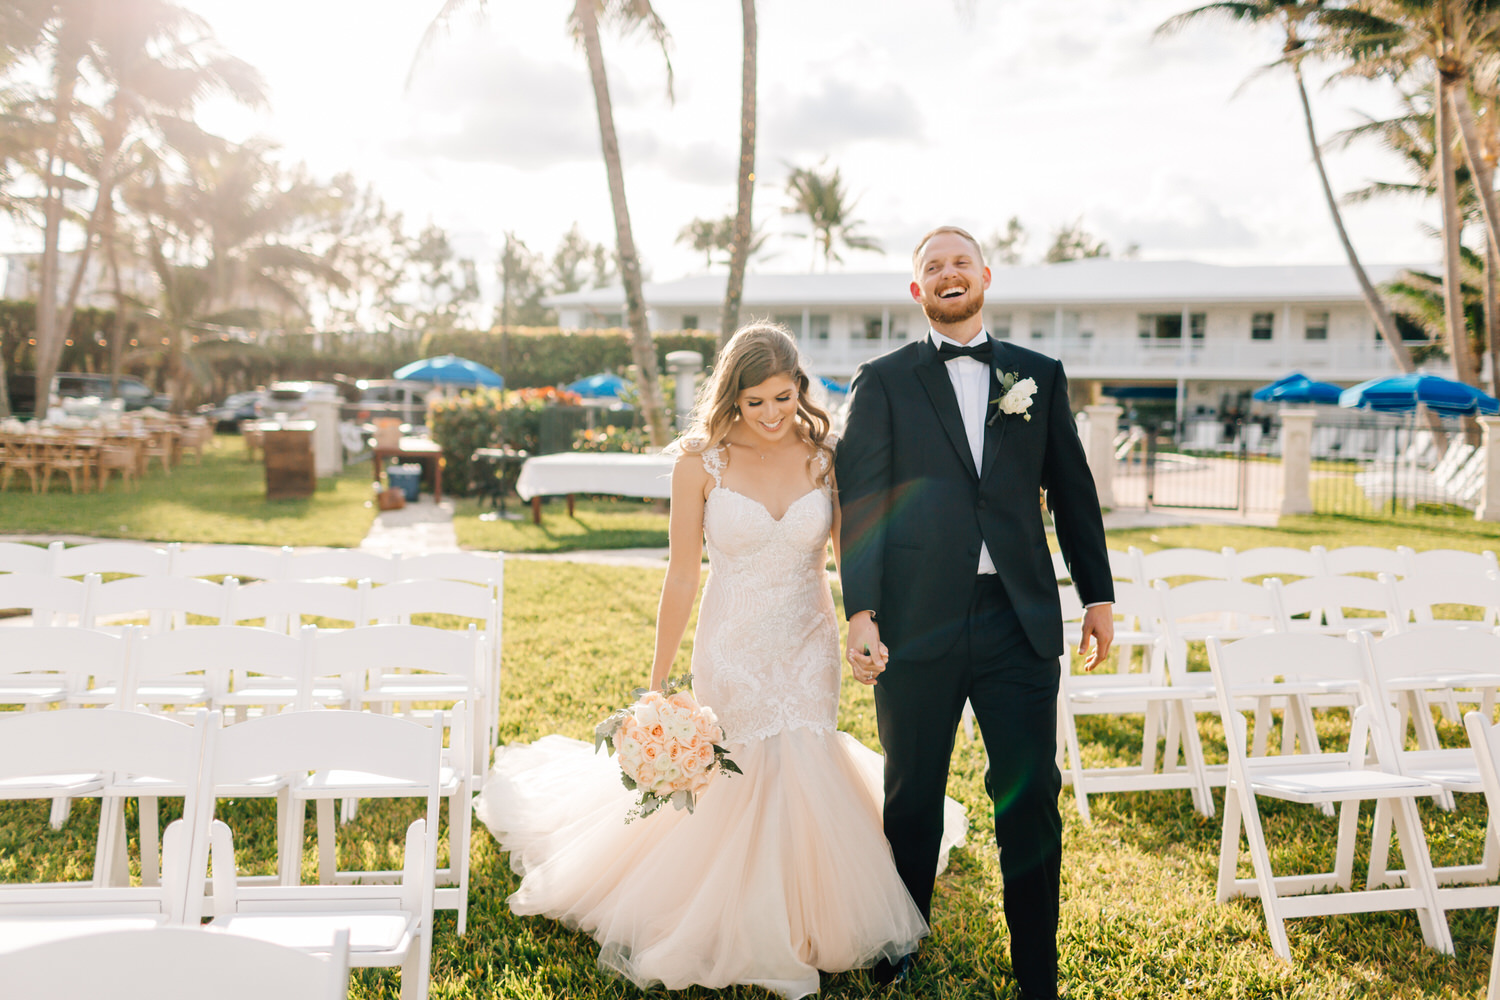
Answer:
(1097, 281)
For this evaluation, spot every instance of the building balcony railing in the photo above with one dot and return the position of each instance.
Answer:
(1113, 357)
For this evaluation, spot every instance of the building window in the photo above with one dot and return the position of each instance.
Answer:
(689, 321)
(1000, 326)
(817, 327)
(898, 328)
(1316, 326)
(872, 327)
(1041, 326)
(793, 323)
(1165, 329)
(610, 321)
(1262, 325)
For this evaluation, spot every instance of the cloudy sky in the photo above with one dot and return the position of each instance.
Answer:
(969, 112)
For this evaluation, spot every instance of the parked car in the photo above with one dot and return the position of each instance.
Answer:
(136, 394)
(236, 407)
(388, 397)
(291, 398)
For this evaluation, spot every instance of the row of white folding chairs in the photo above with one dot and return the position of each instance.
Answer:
(1166, 693)
(1282, 561)
(248, 562)
(281, 605)
(295, 756)
(175, 962)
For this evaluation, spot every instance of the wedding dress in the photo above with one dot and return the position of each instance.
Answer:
(781, 871)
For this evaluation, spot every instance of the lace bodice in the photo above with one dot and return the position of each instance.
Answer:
(766, 653)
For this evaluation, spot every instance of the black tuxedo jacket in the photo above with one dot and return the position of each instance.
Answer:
(915, 509)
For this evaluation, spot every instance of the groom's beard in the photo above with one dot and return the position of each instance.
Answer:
(953, 310)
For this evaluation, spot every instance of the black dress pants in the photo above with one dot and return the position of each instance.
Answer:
(1014, 694)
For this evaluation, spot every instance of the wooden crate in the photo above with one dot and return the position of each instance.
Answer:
(290, 470)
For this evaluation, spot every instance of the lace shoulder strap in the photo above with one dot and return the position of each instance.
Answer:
(713, 461)
(825, 481)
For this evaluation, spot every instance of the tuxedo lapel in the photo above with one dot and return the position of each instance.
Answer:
(933, 375)
(994, 431)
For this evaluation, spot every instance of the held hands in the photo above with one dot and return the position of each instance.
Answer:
(1098, 632)
(866, 654)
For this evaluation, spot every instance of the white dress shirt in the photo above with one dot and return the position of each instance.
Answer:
(971, 385)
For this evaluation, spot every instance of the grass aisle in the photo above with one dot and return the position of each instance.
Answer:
(222, 499)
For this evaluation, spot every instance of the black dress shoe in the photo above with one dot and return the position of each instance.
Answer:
(893, 973)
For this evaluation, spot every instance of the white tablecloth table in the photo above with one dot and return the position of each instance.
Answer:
(617, 474)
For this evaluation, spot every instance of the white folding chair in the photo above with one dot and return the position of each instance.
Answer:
(1253, 668)
(174, 962)
(165, 601)
(388, 924)
(20, 557)
(244, 562)
(1361, 560)
(1128, 693)
(49, 666)
(1401, 668)
(50, 600)
(445, 668)
(282, 604)
(1447, 563)
(1279, 561)
(1174, 563)
(468, 567)
(132, 558)
(86, 752)
(396, 603)
(347, 565)
(1419, 595)
(1324, 600)
(1484, 739)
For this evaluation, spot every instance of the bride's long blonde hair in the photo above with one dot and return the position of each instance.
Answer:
(756, 352)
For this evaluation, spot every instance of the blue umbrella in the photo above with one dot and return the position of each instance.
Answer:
(1298, 388)
(601, 386)
(1401, 393)
(450, 370)
(833, 388)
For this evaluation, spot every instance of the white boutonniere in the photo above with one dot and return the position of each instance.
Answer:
(1015, 394)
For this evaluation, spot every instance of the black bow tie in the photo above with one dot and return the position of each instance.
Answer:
(982, 351)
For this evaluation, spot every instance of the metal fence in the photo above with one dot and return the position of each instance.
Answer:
(1362, 465)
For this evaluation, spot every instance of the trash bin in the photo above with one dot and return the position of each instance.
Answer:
(407, 479)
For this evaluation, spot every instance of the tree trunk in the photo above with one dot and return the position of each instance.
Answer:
(1453, 305)
(739, 254)
(49, 334)
(1384, 321)
(1492, 311)
(642, 348)
(1482, 170)
(111, 246)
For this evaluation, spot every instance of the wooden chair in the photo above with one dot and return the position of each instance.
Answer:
(116, 456)
(66, 455)
(19, 453)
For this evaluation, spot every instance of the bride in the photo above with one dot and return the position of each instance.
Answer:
(783, 870)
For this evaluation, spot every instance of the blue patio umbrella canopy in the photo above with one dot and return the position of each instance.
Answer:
(1298, 388)
(601, 386)
(833, 388)
(450, 370)
(1402, 393)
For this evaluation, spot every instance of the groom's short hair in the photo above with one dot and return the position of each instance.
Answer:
(916, 255)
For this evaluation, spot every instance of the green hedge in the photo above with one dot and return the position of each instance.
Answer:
(535, 356)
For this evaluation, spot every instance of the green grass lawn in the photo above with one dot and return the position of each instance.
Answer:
(223, 499)
(1138, 917)
(604, 523)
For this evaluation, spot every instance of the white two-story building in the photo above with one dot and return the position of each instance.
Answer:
(1201, 335)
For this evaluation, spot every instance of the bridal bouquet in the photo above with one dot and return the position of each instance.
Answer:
(669, 746)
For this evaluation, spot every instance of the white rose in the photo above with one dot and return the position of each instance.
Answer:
(1018, 399)
(646, 715)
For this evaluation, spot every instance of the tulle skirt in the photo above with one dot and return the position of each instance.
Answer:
(779, 873)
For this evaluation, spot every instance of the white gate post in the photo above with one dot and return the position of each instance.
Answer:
(1489, 493)
(1100, 449)
(1296, 461)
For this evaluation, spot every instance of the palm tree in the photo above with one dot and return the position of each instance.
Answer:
(583, 25)
(221, 244)
(701, 235)
(740, 246)
(820, 195)
(1295, 18)
(1448, 38)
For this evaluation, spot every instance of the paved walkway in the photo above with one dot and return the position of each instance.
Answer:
(414, 530)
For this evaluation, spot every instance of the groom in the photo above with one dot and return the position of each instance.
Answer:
(949, 586)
